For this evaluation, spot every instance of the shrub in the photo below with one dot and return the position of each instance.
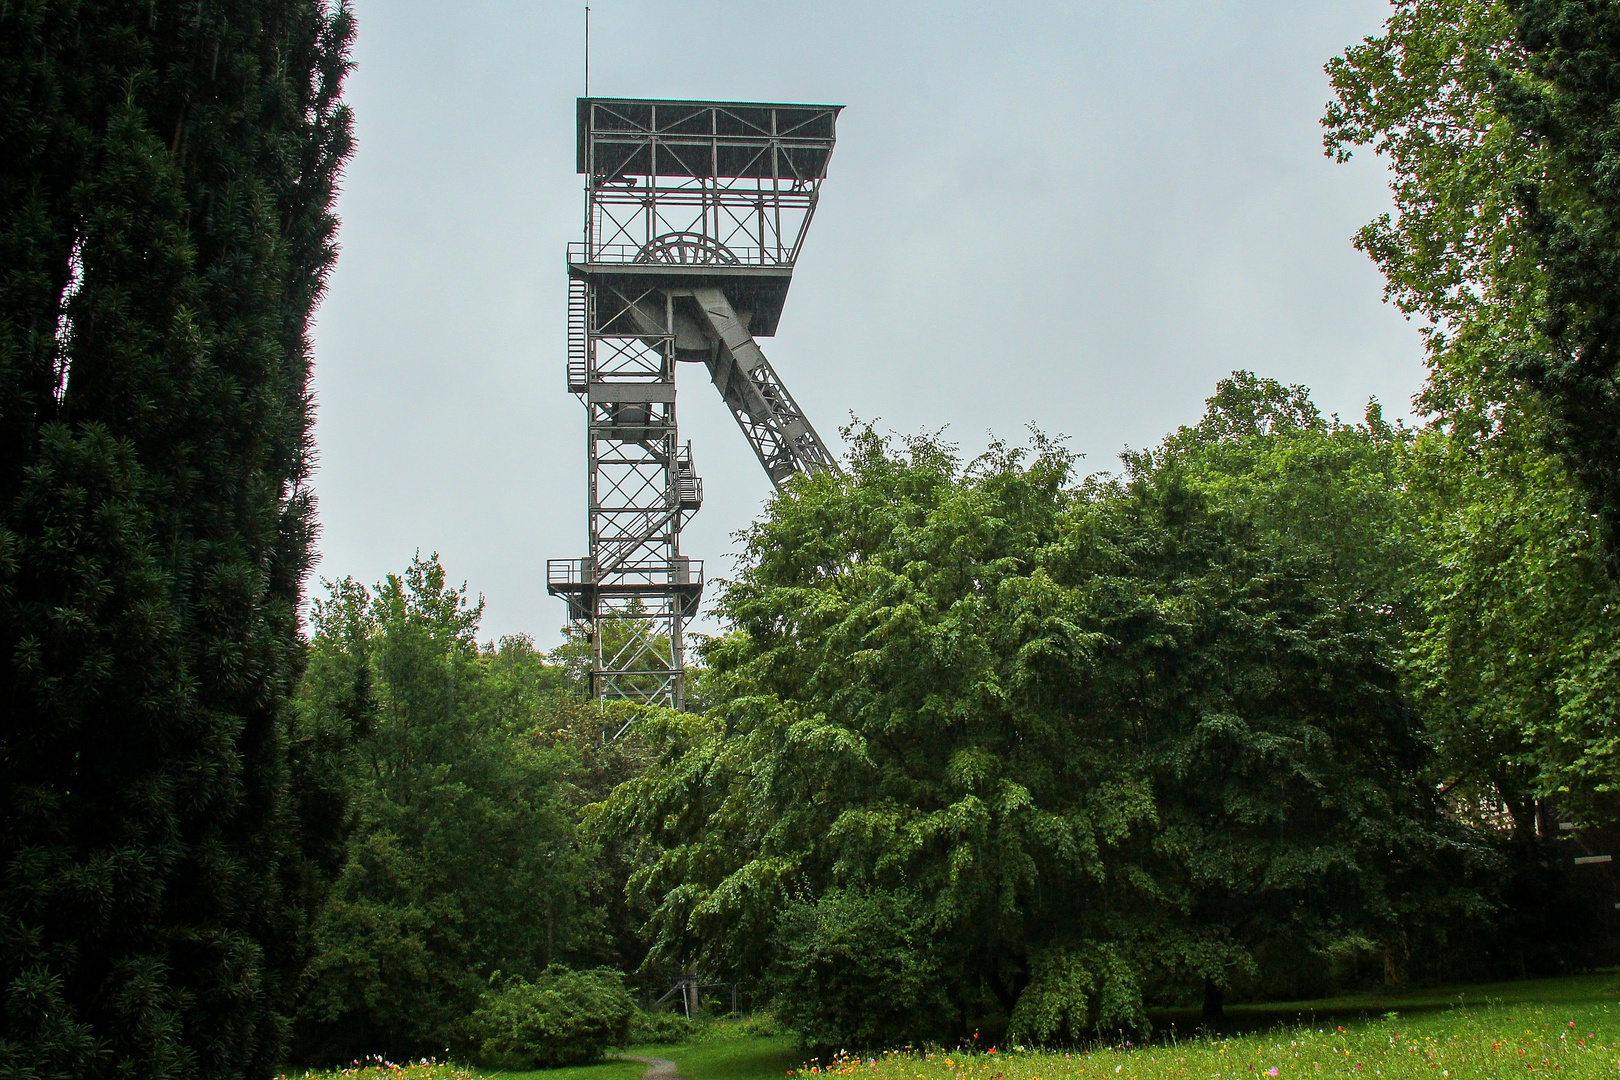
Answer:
(859, 970)
(562, 1018)
(662, 1026)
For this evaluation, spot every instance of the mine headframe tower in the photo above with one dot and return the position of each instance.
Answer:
(695, 212)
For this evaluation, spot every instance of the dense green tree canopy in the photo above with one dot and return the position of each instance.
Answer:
(1566, 101)
(1515, 664)
(470, 773)
(1512, 639)
(466, 858)
(1089, 744)
(166, 179)
(1455, 252)
(1331, 492)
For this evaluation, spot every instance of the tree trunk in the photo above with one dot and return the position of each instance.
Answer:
(1395, 960)
(1214, 1003)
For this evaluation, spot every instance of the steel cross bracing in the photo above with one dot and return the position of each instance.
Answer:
(770, 419)
(695, 215)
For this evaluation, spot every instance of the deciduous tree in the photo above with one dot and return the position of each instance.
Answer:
(1488, 114)
(1565, 98)
(1090, 740)
(467, 858)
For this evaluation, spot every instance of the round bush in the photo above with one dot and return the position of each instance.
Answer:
(562, 1018)
(860, 970)
(661, 1027)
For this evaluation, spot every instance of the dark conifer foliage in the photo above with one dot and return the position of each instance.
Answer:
(1568, 103)
(166, 178)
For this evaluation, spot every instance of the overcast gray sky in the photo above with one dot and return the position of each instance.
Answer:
(1073, 214)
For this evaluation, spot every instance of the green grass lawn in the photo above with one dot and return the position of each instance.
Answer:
(1569, 990)
(1579, 1042)
(1569, 1027)
(607, 1070)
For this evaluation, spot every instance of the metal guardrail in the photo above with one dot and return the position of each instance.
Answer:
(568, 572)
(578, 255)
(579, 573)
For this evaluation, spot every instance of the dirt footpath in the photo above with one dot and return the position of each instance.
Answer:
(657, 1068)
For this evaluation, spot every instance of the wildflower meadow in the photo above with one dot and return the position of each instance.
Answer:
(1489, 1042)
(1575, 1039)
(379, 1068)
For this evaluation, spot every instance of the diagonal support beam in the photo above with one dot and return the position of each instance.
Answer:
(770, 419)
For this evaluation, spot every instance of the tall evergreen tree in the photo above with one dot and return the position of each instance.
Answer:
(166, 179)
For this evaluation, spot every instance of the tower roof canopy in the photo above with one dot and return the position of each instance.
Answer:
(628, 137)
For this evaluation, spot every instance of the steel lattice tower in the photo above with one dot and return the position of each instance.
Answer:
(695, 212)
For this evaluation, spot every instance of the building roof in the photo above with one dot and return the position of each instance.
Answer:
(646, 137)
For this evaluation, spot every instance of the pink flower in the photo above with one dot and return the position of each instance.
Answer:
(1272, 1071)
